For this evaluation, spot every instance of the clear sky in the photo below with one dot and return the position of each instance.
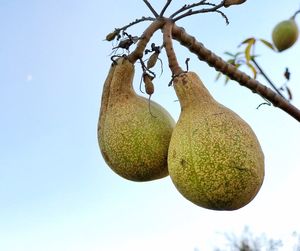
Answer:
(57, 193)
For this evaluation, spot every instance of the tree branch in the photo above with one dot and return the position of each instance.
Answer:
(151, 8)
(144, 39)
(167, 36)
(232, 72)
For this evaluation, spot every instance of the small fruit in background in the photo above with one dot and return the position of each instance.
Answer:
(285, 34)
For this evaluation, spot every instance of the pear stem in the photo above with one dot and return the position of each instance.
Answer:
(296, 13)
(232, 72)
(168, 44)
(266, 77)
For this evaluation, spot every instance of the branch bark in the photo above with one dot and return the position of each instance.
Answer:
(232, 72)
(168, 44)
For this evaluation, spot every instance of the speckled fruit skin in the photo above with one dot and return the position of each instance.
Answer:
(215, 159)
(133, 141)
(285, 34)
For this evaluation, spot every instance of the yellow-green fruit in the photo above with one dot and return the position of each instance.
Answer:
(133, 140)
(215, 159)
(285, 34)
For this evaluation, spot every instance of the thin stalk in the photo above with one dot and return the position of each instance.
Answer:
(266, 77)
(151, 8)
(136, 21)
(165, 8)
(168, 43)
(189, 6)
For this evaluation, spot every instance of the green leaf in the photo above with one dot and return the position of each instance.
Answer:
(218, 76)
(237, 54)
(227, 80)
(248, 50)
(254, 56)
(268, 44)
(231, 61)
(247, 41)
(229, 54)
(253, 69)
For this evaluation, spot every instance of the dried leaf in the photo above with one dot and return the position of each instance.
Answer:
(287, 74)
(289, 93)
(228, 3)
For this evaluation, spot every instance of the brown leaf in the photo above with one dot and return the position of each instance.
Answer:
(289, 93)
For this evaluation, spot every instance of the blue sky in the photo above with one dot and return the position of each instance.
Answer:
(56, 192)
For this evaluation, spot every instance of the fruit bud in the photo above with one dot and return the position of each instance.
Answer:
(228, 3)
(149, 87)
(152, 60)
(111, 36)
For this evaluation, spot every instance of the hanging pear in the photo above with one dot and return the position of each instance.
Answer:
(133, 137)
(285, 34)
(215, 159)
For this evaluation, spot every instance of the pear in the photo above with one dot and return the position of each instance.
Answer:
(133, 137)
(285, 34)
(215, 159)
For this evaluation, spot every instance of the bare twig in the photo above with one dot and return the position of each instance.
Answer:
(206, 10)
(167, 36)
(189, 6)
(151, 8)
(142, 19)
(232, 72)
(165, 8)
